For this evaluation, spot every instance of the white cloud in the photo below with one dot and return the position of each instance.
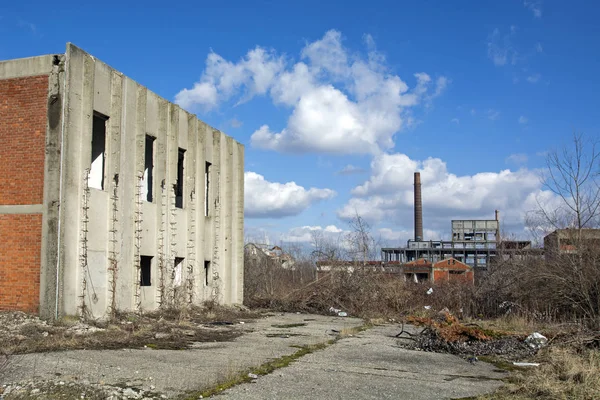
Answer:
(264, 199)
(517, 159)
(534, 78)
(388, 194)
(306, 234)
(221, 80)
(539, 48)
(493, 114)
(500, 48)
(523, 120)
(341, 102)
(535, 6)
(455, 120)
(473, 112)
(350, 170)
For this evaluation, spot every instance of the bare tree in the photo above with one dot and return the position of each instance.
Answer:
(325, 248)
(573, 174)
(361, 244)
(568, 279)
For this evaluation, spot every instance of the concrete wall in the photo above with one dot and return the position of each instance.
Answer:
(105, 232)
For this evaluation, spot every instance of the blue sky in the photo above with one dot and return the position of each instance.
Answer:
(338, 103)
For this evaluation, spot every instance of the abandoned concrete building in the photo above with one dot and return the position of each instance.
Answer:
(111, 198)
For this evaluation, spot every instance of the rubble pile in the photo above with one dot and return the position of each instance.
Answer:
(445, 334)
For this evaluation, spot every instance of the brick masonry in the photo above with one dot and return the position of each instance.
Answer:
(23, 116)
(20, 250)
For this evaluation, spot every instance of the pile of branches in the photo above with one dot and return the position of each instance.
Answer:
(444, 333)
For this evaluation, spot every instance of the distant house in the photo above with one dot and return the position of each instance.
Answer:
(274, 253)
(568, 241)
(448, 270)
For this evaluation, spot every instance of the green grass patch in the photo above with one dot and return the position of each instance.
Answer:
(284, 326)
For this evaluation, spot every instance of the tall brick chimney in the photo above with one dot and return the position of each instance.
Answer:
(418, 208)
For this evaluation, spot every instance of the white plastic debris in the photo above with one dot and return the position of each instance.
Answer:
(430, 290)
(525, 364)
(536, 340)
(252, 376)
(427, 307)
(342, 314)
(334, 310)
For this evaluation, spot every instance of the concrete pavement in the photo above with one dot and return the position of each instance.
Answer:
(368, 365)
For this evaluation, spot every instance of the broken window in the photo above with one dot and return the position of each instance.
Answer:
(180, 176)
(206, 187)
(145, 270)
(96, 174)
(455, 272)
(206, 272)
(148, 179)
(178, 271)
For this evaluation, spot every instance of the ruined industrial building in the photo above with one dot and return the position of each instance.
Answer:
(474, 243)
(112, 197)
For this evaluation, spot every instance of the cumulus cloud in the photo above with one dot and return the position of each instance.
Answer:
(341, 102)
(306, 234)
(221, 80)
(388, 194)
(264, 199)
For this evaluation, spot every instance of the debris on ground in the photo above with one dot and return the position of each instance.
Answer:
(443, 333)
(337, 311)
(525, 364)
(536, 340)
(75, 390)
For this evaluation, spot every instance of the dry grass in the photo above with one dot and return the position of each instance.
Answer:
(564, 373)
(165, 329)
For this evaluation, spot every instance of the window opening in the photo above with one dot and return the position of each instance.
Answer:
(178, 271)
(96, 174)
(145, 271)
(148, 179)
(180, 175)
(206, 187)
(206, 272)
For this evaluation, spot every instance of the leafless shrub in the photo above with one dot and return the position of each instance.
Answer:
(4, 361)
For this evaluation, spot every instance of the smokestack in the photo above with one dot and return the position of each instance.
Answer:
(418, 208)
(498, 227)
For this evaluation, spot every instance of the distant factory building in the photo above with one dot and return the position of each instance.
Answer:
(474, 242)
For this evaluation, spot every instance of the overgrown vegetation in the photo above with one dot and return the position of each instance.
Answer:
(163, 329)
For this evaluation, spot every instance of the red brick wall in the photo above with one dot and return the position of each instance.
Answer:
(440, 276)
(23, 116)
(20, 250)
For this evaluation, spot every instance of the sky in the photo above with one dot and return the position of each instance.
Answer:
(338, 103)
